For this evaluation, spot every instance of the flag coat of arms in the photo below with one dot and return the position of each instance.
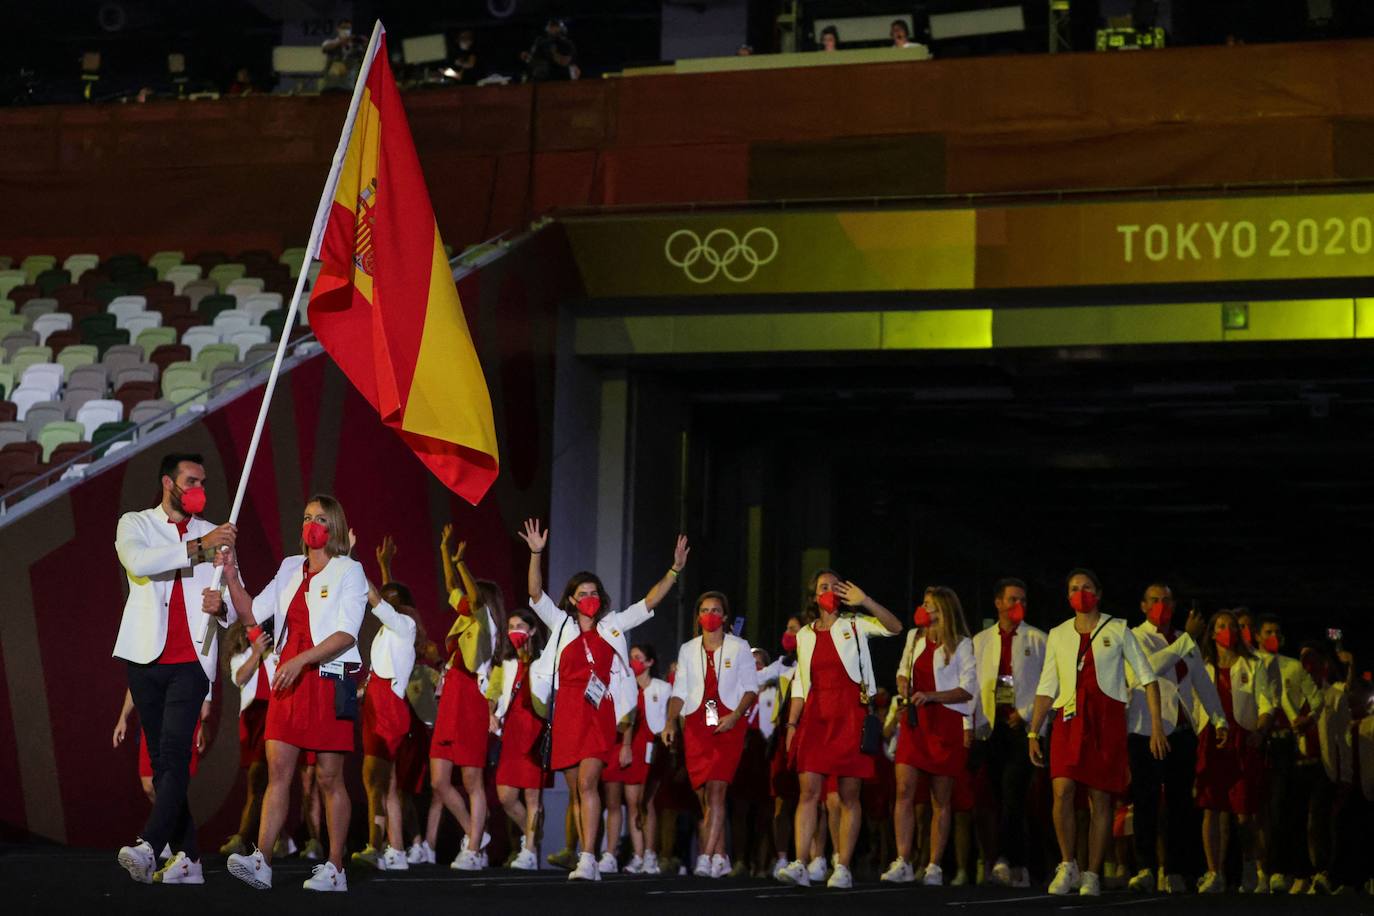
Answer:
(385, 306)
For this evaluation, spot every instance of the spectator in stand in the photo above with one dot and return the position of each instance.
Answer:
(744, 51)
(465, 62)
(830, 38)
(901, 34)
(343, 56)
(552, 56)
(242, 84)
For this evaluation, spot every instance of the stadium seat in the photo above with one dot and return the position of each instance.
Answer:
(107, 433)
(68, 294)
(137, 324)
(40, 305)
(293, 258)
(142, 373)
(13, 462)
(43, 413)
(211, 355)
(244, 287)
(6, 380)
(78, 264)
(117, 264)
(35, 264)
(108, 291)
(8, 411)
(11, 323)
(182, 375)
(6, 306)
(248, 338)
(73, 399)
(93, 413)
(195, 338)
(26, 446)
(152, 338)
(43, 375)
(13, 431)
(211, 306)
(54, 434)
(77, 357)
(92, 278)
(68, 451)
(260, 357)
(260, 304)
(170, 305)
(182, 274)
(197, 290)
(46, 324)
(25, 357)
(21, 294)
(14, 341)
(17, 486)
(163, 261)
(157, 290)
(122, 306)
(82, 308)
(25, 398)
(223, 274)
(169, 353)
(208, 259)
(187, 398)
(156, 410)
(114, 338)
(9, 279)
(92, 326)
(231, 320)
(51, 279)
(132, 393)
(273, 322)
(127, 355)
(183, 323)
(227, 376)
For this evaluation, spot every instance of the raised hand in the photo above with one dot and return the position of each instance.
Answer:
(850, 593)
(537, 539)
(444, 536)
(386, 551)
(680, 552)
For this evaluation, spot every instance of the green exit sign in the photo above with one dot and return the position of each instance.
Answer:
(1235, 316)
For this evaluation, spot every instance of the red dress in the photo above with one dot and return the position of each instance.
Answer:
(1090, 748)
(581, 731)
(782, 774)
(303, 714)
(936, 744)
(637, 773)
(711, 757)
(519, 765)
(832, 722)
(751, 782)
(386, 719)
(253, 723)
(1229, 778)
(462, 724)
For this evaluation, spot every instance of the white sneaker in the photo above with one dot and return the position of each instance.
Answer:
(138, 861)
(651, 863)
(635, 866)
(794, 873)
(1142, 883)
(252, 870)
(899, 872)
(934, 876)
(1174, 884)
(960, 879)
(166, 852)
(325, 878)
(1066, 879)
(525, 859)
(467, 861)
(420, 854)
(607, 865)
(818, 869)
(840, 878)
(780, 864)
(586, 869)
(703, 867)
(1020, 877)
(1212, 883)
(1321, 883)
(1001, 873)
(180, 870)
(1278, 883)
(1090, 885)
(720, 866)
(393, 860)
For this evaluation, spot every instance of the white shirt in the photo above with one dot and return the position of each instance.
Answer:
(656, 697)
(1195, 690)
(959, 671)
(850, 634)
(735, 673)
(612, 627)
(1333, 735)
(1251, 695)
(1027, 661)
(393, 648)
(1113, 648)
(153, 554)
(249, 691)
(766, 710)
(336, 600)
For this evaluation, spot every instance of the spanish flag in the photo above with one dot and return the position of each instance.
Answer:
(385, 306)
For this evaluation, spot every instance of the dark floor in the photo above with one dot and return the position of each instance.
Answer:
(37, 880)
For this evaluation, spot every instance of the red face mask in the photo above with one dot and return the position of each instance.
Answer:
(1016, 613)
(828, 602)
(638, 667)
(588, 605)
(1083, 602)
(922, 617)
(1270, 644)
(1161, 615)
(193, 500)
(518, 639)
(710, 622)
(1247, 636)
(464, 608)
(789, 641)
(316, 535)
(1224, 638)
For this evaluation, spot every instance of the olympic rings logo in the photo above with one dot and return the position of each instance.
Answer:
(721, 252)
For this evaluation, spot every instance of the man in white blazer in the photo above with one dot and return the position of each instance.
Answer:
(1008, 657)
(167, 554)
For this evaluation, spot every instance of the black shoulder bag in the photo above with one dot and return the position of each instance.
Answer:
(871, 739)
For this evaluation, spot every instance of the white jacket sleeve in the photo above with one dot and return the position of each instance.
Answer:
(266, 602)
(1136, 658)
(142, 559)
(749, 675)
(394, 620)
(1049, 674)
(548, 612)
(968, 670)
(353, 601)
(1205, 690)
(680, 683)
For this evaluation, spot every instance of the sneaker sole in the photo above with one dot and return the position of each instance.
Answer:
(248, 876)
(326, 890)
(137, 870)
(187, 881)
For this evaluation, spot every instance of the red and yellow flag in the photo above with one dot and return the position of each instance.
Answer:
(385, 306)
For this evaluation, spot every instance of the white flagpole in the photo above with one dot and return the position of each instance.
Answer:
(311, 253)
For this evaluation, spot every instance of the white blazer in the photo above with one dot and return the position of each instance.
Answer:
(509, 668)
(336, 599)
(393, 648)
(853, 652)
(1195, 691)
(612, 627)
(1027, 661)
(1113, 648)
(1295, 687)
(249, 691)
(735, 673)
(959, 671)
(152, 554)
(1333, 735)
(656, 697)
(1251, 693)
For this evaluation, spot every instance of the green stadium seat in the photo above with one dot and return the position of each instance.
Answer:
(54, 434)
(181, 375)
(51, 279)
(93, 326)
(75, 355)
(212, 355)
(152, 338)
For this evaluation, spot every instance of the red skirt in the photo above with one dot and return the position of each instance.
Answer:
(1090, 748)
(1229, 778)
(412, 757)
(711, 757)
(637, 773)
(832, 722)
(461, 726)
(782, 777)
(386, 719)
(936, 744)
(253, 734)
(519, 766)
(303, 716)
(579, 731)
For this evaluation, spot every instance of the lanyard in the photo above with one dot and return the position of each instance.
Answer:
(712, 660)
(1084, 650)
(587, 651)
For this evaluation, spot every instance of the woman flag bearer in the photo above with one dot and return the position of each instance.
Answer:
(316, 603)
(586, 673)
(825, 722)
(517, 714)
(716, 685)
(1084, 678)
(942, 681)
